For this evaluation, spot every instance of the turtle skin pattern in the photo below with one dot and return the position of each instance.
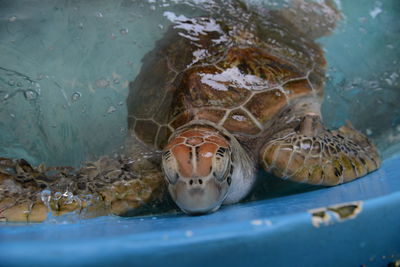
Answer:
(106, 186)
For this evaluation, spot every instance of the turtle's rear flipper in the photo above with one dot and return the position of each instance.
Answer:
(310, 153)
(311, 18)
(106, 186)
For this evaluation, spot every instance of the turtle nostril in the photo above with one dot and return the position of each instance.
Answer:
(191, 182)
(200, 181)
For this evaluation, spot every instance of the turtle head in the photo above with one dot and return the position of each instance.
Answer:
(197, 165)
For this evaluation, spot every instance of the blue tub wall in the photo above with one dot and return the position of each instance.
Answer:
(278, 232)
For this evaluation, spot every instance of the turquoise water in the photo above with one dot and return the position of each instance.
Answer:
(364, 72)
(65, 67)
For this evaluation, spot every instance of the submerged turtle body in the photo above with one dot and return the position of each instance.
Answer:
(216, 97)
(229, 77)
(106, 186)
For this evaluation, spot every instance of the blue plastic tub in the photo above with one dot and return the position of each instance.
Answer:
(69, 99)
(274, 232)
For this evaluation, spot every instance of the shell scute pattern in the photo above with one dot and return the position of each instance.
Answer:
(224, 75)
(211, 114)
(239, 121)
(268, 71)
(266, 104)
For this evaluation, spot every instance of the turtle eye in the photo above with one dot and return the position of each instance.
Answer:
(169, 167)
(221, 164)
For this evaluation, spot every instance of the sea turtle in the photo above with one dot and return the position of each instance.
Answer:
(218, 96)
(229, 94)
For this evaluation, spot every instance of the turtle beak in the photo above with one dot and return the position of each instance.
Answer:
(198, 197)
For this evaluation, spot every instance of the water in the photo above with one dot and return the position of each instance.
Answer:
(364, 72)
(65, 68)
(64, 75)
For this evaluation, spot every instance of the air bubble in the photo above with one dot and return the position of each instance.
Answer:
(373, 84)
(111, 109)
(375, 12)
(11, 82)
(99, 14)
(116, 81)
(69, 197)
(12, 18)
(123, 31)
(45, 196)
(6, 96)
(19, 84)
(76, 96)
(101, 83)
(30, 95)
(57, 196)
(41, 76)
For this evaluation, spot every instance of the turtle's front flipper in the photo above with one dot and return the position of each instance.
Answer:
(310, 153)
